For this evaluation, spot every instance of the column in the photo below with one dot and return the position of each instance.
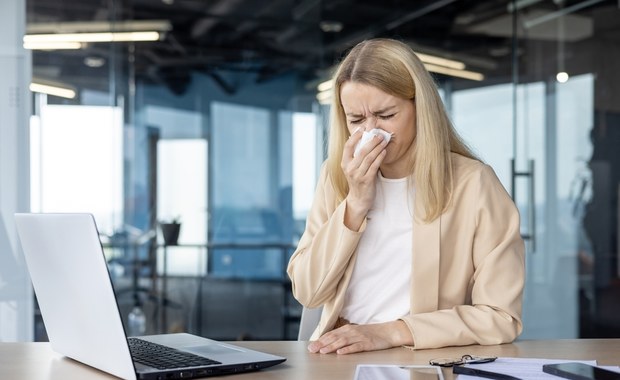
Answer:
(16, 300)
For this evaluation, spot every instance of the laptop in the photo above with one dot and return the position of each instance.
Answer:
(73, 287)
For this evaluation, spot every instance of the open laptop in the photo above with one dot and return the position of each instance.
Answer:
(75, 294)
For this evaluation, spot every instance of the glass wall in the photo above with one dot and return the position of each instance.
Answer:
(548, 134)
(216, 125)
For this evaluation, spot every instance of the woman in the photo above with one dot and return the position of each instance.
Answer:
(412, 242)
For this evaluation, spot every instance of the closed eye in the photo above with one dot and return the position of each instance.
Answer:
(356, 121)
(386, 117)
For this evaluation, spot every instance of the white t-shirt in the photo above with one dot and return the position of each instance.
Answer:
(380, 285)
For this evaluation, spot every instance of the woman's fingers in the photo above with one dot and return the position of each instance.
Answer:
(331, 341)
(351, 338)
(349, 146)
(361, 165)
(361, 175)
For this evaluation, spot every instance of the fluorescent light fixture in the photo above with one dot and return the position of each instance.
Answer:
(98, 26)
(70, 45)
(92, 37)
(41, 36)
(331, 26)
(324, 97)
(324, 86)
(434, 60)
(472, 75)
(94, 61)
(63, 92)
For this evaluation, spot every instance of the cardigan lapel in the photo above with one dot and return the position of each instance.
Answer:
(425, 263)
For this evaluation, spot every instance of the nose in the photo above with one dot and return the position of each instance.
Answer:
(371, 123)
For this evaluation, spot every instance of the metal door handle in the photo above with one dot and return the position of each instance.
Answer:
(531, 204)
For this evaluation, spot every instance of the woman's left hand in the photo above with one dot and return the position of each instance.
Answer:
(349, 339)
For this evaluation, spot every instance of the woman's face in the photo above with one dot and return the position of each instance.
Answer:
(368, 107)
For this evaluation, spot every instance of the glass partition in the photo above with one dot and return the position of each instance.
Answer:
(217, 124)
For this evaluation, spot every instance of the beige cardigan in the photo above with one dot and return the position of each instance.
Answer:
(467, 270)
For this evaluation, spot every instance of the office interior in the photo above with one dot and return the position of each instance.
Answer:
(211, 117)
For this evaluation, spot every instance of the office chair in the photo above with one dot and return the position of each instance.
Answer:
(132, 240)
(308, 323)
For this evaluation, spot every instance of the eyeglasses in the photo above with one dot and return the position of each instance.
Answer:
(465, 359)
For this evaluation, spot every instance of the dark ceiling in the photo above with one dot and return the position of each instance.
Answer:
(302, 37)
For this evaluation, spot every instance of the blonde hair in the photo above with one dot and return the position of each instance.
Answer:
(392, 67)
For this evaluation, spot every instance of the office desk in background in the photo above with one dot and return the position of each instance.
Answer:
(32, 361)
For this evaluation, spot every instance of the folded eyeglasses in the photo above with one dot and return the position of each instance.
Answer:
(465, 359)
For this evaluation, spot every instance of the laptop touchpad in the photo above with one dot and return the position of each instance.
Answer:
(212, 349)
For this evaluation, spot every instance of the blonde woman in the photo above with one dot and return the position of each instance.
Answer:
(411, 240)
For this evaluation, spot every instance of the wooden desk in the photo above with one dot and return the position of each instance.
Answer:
(32, 361)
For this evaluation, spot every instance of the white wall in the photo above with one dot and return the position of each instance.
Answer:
(16, 301)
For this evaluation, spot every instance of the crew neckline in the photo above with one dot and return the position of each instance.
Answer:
(383, 179)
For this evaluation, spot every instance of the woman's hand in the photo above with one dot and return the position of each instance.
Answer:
(361, 175)
(349, 339)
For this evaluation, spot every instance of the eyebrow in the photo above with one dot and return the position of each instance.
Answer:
(378, 112)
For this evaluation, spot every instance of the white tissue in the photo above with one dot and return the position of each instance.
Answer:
(368, 135)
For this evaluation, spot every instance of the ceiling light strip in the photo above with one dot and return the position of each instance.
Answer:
(427, 58)
(98, 26)
(472, 75)
(325, 86)
(52, 90)
(70, 45)
(93, 37)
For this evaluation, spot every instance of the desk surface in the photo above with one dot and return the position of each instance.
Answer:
(21, 361)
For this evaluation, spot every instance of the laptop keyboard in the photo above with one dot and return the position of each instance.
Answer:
(163, 357)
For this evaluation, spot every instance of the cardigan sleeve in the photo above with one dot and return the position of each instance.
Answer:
(497, 254)
(324, 250)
